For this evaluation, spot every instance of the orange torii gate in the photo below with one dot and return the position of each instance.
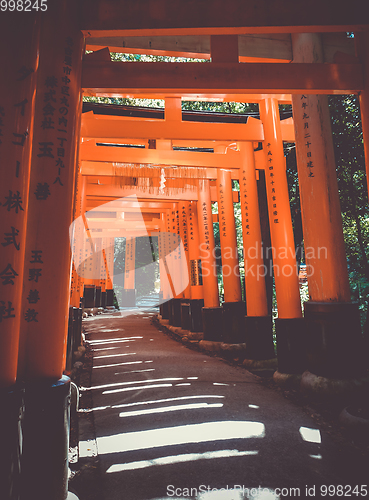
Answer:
(40, 120)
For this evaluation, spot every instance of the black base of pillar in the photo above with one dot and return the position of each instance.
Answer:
(128, 298)
(212, 322)
(69, 355)
(98, 297)
(10, 439)
(185, 315)
(110, 297)
(259, 337)
(175, 312)
(234, 322)
(103, 299)
(44, 462)
(170, 311)
(196, 306)
(89, 294)
(334, 339)
(291, 345)
(164, 309)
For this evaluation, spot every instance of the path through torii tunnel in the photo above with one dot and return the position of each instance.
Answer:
(103, 203)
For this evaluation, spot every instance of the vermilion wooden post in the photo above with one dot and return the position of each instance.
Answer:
(165, 295)
(233, 307)
(87, 249)
(184, 234)
(178, 250)
(256, 298)
(334, 331)
(48, 257)
(194, 252)
(228, 239)
(211, 312)
(196, 283)
(283, 246)
(109, 252)
(171, 270)
(19, 41)
(47, 273)
(207, 245)
(97, 268)
(258, 323)
(289, 324)
(321, 213)
(76, 244)
(19, 63)
(129, 297)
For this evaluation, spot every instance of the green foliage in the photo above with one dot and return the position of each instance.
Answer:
(349, 154)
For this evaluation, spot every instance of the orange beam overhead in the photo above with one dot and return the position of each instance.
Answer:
(107, 169)
(298, 78)
(96, 154)
(235, 16)
(158, 157)
(117, 129)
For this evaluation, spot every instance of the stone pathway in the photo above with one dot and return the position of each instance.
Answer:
(173, 423)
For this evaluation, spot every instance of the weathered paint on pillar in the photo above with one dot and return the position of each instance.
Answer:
(362, 50)
(207, 245)
(320, 206)
(45, 299)
(256, 298)
(197, 291)
(19, 63)
(130, 263)
(228, 239)
(283, 246)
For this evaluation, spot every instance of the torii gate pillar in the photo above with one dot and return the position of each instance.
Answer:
(289, 324)
(197, 291)
(233, 307)
(211, 312)
(129, 291)
(19, 62)
(258, 323)
(44, 319)
(333, 323)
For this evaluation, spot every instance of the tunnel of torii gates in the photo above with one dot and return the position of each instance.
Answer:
(60, 173)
